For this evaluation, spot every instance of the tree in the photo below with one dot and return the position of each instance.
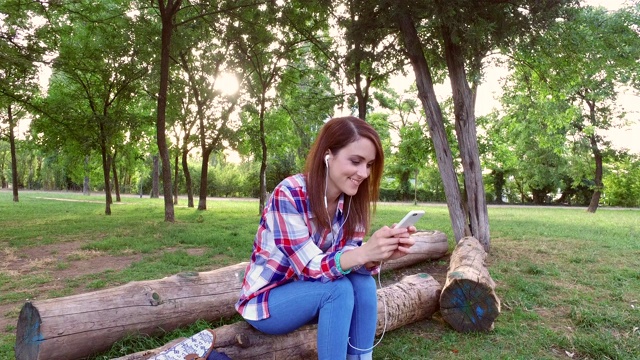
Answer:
(306, 101)
(460, 34)
(621, 182)
(168, 10)
(427, 95)
(535, 127)
(187, 121)
(21, 50)
(203, 64)
(269, 38)
(93, 86)
(412, 154)
(372, 52)
(412, 151)
(585, 58)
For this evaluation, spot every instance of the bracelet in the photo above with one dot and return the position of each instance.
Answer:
(337, 259)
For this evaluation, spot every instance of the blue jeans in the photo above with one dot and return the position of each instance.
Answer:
(345, 309)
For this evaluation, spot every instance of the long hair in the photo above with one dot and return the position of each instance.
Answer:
(335, 135)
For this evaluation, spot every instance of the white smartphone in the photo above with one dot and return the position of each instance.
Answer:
(410, 219)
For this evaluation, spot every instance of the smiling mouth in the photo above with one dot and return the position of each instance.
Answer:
(356, 182)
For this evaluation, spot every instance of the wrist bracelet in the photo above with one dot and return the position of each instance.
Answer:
(337, 259)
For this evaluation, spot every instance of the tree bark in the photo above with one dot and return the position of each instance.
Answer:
(167, 13)
(468, 301)
(85, 185)
(597, 192)
(14, 159)
(427, 96)
(187, 176)
(155, 181)
(597, 158)
(204, 174)
(465, 120)
(412, 299)
(77, 326)
(106, 170)
(176, 171)
(263, 161)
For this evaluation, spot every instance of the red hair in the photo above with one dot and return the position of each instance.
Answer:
(335, 135)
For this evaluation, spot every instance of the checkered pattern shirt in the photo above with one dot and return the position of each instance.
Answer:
(288, 247)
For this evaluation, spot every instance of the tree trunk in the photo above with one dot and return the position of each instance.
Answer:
(498, 184)
(405, 185)
(412, 299)
(155, 181)
(427, 96)
(204, 174)
(85, 185)
(77, 326)
(263, 163)
(106, 170)
(468, 301)
(14, 159)
(465, 119)
(597, 191)
(176, 171)
(167, 13)
(187, 177)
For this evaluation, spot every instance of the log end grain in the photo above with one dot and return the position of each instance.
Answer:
(28, 334)
(469, 306)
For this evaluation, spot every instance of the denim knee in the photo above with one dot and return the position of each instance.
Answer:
(364, 288)
(342, 290)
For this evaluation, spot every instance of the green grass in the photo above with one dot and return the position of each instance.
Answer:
(568, 280)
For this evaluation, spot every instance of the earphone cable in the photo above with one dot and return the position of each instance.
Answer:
(384, 327)
(384, 301)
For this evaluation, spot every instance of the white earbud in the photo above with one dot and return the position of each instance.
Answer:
(326, 176)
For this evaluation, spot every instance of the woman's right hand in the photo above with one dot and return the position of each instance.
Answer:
(383, 243)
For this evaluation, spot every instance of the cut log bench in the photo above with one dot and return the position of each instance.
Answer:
(77, 326)
(468, 301)
(413, 298)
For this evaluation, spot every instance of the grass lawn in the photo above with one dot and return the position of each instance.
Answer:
(568, 280)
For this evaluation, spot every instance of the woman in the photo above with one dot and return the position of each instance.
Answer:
(309, 262)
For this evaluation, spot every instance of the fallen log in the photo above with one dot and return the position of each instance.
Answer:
(413, 298)
(77, 326)
(468, 301)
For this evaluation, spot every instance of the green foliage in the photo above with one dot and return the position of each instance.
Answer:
(561, 95)
(622, 187)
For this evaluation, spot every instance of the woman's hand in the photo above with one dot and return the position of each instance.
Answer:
(388, 243)
(384, 244)
(405, 241)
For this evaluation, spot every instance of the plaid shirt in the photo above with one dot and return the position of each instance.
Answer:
(288, 247)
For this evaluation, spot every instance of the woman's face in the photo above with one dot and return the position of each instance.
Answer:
(349, 167)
